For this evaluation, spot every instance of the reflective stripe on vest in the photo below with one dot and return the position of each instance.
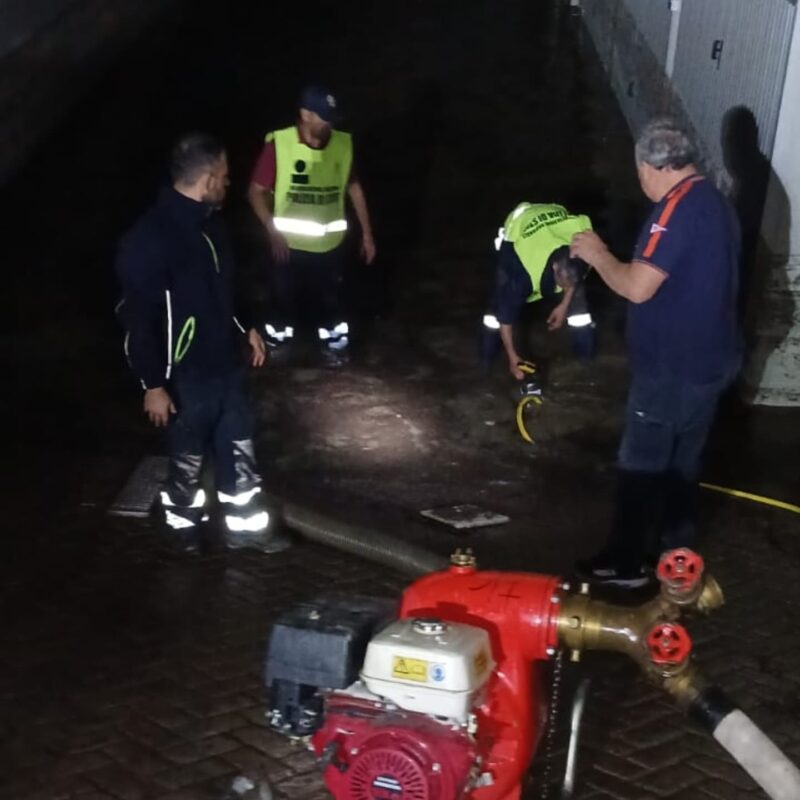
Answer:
(310, 190)
(304, 227)
(537, 230)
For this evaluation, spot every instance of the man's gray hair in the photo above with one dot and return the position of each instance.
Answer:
(665, 143)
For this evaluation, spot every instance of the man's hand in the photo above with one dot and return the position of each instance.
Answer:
(557, 317)
(368, 248)
(278, 246)
(258, 351)
(514, 368)
(589, 247)
(158, 406)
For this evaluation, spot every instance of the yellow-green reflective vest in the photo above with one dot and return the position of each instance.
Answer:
(536, 230)
(309, 189)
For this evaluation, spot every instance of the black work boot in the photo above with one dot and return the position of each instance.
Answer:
(184, 542)
(267, 541)
(604, 568)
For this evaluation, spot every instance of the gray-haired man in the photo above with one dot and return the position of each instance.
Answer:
(683, 343)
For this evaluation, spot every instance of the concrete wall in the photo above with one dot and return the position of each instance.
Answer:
(624, 44)
(50, 51)
(753, 37)
(742, 108)
(772, 372)
(632, 39)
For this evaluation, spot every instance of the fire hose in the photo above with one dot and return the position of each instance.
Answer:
(520, 415)
(756, 498)
(531, 395)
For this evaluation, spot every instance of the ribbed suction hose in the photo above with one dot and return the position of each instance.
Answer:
(364, 542)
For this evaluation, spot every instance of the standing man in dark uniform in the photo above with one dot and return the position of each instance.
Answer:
(684, 347)
(298, 193)
(185, 345)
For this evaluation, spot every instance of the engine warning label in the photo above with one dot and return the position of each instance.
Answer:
(410, 669)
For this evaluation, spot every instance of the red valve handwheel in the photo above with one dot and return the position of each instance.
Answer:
(669, 644)
(680, 569)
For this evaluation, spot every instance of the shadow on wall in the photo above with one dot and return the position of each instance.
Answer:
(766, 304)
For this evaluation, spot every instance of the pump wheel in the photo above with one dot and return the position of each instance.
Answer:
(681, 570)
(669, 644)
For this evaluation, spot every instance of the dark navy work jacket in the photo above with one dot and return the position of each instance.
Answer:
(175, 266)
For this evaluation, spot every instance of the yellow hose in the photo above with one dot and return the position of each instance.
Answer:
(757, 498)
(523, 431)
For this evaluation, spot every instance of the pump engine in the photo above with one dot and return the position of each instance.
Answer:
(445, 698)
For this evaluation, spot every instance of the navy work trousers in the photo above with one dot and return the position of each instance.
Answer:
(307, 289)
(213, 418)
(667, 423)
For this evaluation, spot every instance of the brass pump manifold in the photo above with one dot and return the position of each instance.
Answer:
(585, 623)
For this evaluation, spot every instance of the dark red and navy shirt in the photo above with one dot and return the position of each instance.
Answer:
(266, 168)
(689, 328)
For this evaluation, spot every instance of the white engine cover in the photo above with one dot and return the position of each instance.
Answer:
(429, 666)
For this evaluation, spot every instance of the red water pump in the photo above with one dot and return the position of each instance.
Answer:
(449, 699)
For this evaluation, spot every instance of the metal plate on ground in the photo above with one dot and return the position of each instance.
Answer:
(465, 515)
(139, 493)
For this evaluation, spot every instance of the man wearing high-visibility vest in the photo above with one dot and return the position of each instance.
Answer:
(533, 263)
(298, 190)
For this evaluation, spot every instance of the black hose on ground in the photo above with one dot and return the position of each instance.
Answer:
(364, 542)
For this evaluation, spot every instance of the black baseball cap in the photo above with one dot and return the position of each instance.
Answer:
(321, 102)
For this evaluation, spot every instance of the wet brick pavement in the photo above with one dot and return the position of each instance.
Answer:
(128, 674)
(131, 674)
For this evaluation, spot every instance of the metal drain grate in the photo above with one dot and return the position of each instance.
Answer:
(465, 516)
(139, 493)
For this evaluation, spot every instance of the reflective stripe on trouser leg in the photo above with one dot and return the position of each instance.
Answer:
(254, 523)
(240, 499)
(579, 320)
(179, 517)
(279, 334)
(182, 499)
(335, 338)
(243, 510)
(339, 329)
